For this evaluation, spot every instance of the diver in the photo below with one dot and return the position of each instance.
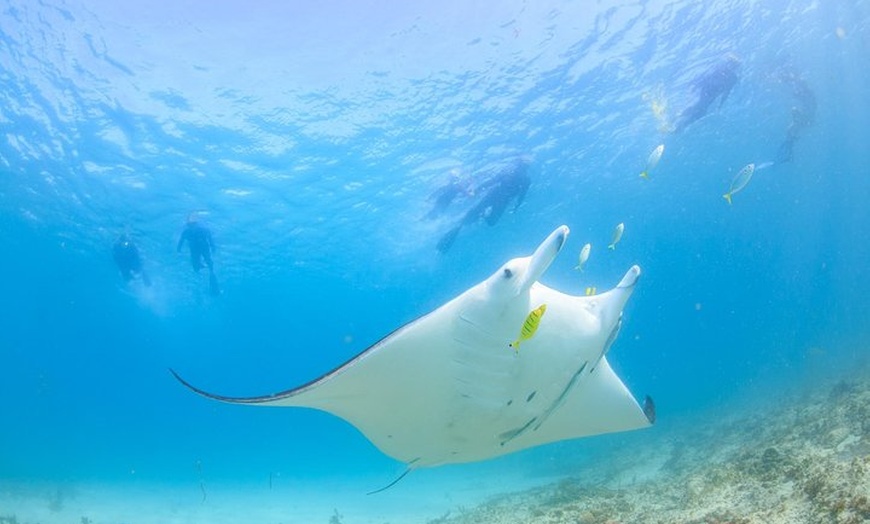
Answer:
(803, 112)
(199, 240)
(456, 186)
(511, 182)
(128, 260)
(716, 82)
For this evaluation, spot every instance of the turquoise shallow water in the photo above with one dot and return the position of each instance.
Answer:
(310, 140)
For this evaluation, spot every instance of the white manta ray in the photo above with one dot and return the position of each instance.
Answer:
(448, 388)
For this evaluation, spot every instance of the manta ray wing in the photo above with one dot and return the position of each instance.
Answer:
(420, 394)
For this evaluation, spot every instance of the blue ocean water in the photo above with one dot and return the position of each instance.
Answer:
(309, 139)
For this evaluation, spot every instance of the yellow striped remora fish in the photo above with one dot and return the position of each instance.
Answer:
(529, 326)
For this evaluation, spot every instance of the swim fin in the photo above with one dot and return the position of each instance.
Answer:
(448, 239)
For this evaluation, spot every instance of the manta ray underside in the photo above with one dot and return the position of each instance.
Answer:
(447, 388)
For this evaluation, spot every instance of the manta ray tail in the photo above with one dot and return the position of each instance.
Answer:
(393, 483)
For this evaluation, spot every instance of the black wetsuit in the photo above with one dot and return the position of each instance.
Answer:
(128, 260)
(510, 183)
(803, 113)
(199, 240)
(716, 82)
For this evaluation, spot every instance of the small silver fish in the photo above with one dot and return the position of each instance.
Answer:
(653, 160)
(617, 235)
(740, 181)
(584, 256)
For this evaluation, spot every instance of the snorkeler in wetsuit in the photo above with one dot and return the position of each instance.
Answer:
(803, 112)
(512, 182)
(716, 82)
(128, 260)
(199, 240)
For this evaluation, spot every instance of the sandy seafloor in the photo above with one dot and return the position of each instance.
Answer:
(799, 456)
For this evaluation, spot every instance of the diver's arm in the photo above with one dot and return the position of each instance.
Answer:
(181, 241)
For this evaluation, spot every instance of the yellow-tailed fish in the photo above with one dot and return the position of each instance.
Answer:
(653, 160)
(530, 326)
(617, 235)
(590, 291)
(739, 182)
(584, 256)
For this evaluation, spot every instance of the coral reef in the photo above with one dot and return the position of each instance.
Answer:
(800, 460)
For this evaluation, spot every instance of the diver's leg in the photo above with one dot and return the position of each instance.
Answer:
(785, 153)
(448, 239)
(691, 114)
(495, 212)
(195, 259)
(206, 257)
(213, 285)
